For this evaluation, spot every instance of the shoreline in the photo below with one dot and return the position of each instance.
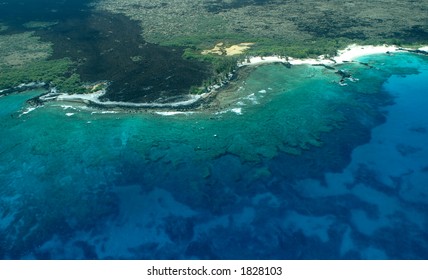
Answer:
(349, 54)
(23, 87)
(192, 101)
(93, 99)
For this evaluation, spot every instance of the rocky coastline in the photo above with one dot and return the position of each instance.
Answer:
(200, 101)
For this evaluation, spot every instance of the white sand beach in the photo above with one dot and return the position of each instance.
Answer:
(354, 51)
(349, 54)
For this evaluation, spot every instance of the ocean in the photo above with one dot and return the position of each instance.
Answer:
(290, 165)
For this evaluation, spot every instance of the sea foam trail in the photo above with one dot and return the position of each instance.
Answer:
(173, 113)
(28, 110)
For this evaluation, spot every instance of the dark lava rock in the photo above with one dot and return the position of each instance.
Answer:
(110, 47)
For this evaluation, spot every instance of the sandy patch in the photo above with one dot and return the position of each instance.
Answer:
(220, 49)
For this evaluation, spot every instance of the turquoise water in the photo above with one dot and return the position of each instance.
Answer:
(291, 166)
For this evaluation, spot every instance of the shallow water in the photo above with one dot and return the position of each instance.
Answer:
(293, 166)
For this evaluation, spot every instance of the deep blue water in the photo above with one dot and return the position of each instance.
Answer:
(294, 166)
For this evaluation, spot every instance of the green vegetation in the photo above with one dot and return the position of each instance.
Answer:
(220, 64)
(22, 48)
(221, 67)
(266, 46)
(24, 59)
(58, 73)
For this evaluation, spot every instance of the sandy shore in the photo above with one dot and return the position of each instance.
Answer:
(354, 51)
(351, 53)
